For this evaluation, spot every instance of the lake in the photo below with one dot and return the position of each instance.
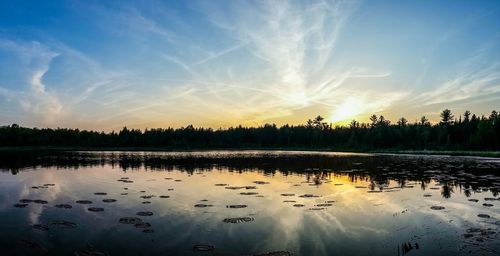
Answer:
(247, 203)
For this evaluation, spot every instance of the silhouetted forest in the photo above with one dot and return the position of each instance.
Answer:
(467, 132)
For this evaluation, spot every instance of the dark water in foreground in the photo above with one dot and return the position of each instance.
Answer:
(247, 203)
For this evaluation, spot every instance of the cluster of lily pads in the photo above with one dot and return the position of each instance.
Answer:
(450, 177)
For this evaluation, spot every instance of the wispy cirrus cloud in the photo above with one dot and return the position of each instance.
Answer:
(473, 78)
(474, 84)
(287, 49)
(41, 102)
(156, 63)
(293, 44)
(35, 99)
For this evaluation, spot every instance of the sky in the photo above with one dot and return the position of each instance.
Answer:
(103, 65)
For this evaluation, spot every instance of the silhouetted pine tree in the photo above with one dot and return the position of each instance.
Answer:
(469, 133)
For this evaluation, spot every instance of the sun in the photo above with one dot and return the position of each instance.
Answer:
(349, 109)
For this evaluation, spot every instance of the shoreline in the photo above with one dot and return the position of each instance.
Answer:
(494, 154)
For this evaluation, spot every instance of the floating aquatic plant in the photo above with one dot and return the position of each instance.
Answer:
(83, 202)
(238, 220)
(144, 213)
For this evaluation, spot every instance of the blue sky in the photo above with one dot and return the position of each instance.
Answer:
(106, 64)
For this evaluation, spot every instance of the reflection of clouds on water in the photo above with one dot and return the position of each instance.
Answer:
(457, 212)
(49, 194)
(9, 189)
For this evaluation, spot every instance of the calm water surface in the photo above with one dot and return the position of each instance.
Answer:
(247, 203)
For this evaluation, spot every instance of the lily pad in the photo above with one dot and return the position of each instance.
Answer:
(144, 213)
(276, 253)
(64, 206)
(324, 205)
(238, 220)
(308, 196)
(63, 224)
(491, 199)
(41, 227)
(203, 248)
(248, 193)
(142, 225)
(437, 207)
(202, 205)
(259, 182)
(234, 188)
(90, 253)
(317, 208)
(83, 202)
(129, 220)
(236, 206)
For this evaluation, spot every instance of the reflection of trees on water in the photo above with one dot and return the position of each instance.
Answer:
(446, 191)
(468, 193)
(318, 178)
(462, 174)
(424, 184)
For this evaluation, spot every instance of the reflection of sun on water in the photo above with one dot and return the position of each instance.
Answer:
(343, 209)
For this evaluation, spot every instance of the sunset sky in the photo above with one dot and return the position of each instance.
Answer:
(107, 64)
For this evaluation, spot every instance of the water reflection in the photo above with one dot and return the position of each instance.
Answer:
(241, 203)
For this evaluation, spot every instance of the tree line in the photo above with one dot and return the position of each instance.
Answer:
(467, 132)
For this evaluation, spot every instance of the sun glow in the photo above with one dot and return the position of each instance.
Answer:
(348, 110)
(297, 99)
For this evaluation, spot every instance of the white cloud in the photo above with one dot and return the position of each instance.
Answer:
(472, 79)
(42, 103)
(39, 103)
(294, 43)
(258, 61)
(35, 99)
